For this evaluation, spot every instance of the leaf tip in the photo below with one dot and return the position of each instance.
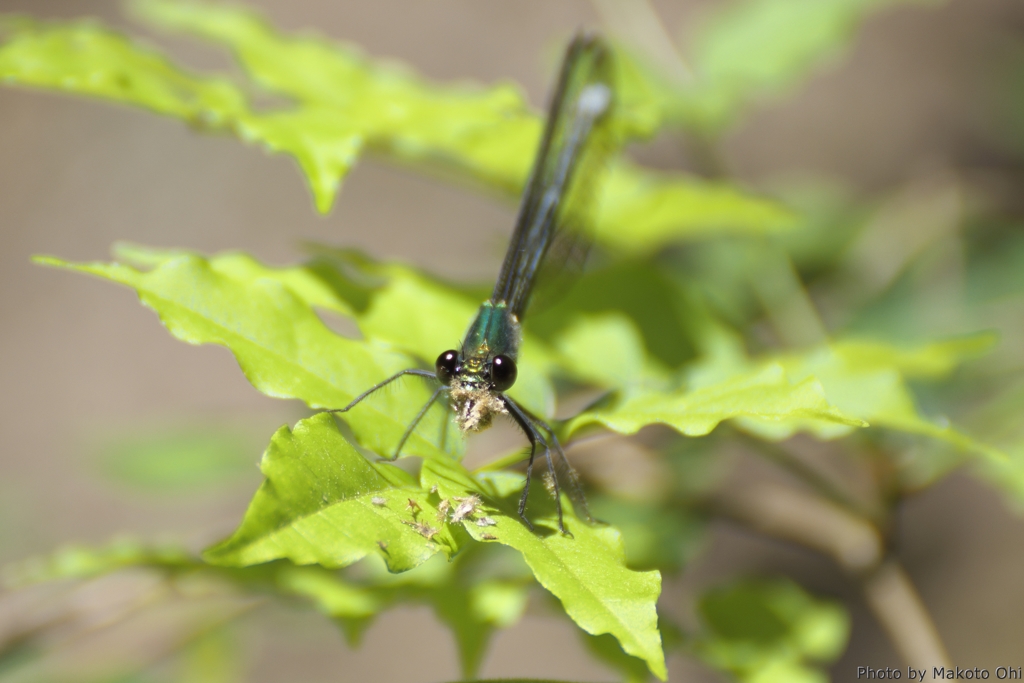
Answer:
(51, 261)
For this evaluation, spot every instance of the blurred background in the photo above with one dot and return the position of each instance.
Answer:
(926, 96)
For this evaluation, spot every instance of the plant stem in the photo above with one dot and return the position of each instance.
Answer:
(857, 546)
(821, 483)
(898, 607)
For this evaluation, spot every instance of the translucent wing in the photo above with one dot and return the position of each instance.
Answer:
(559, 194)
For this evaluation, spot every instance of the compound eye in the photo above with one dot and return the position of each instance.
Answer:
(445, 366)
(503, 373)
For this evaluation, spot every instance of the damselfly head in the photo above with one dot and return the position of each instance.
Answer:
(474, 403)
(474, 386)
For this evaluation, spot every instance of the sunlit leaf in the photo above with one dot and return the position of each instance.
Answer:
(347, 101)
(325, 503)
(344, 102)
(766, 394)
(327, 591)
(585, 571)
(86, 58)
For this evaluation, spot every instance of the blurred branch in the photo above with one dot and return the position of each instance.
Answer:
(823, 484)
(896, 604)
(51, 618)
(857, 546)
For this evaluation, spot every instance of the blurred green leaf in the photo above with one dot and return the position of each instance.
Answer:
(174, 459)
(213, 658)
(654, 534)
(745, 51)
(641, 210)
(861, 379)
(868, 379)
(489, 134)
(327, 591)
(474, 614)
(606, 649)
(770, 632)
(465, 596)
(469, 601)
(83, 562)
(606, 349)
(636, 289)
(1006, 475)
(500, 603)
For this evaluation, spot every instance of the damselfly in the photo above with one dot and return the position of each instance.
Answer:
(476, 376)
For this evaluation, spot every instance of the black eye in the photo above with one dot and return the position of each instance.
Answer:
(503, 373)
(445, 365)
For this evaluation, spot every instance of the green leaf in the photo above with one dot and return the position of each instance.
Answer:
(85, 58)
(863, 381)
(309, 286)
(327, 591)
(501, 603)
(284, 349)
(746, 51)
(766, 394)
(642, 210)
(1006, 475)
(636, 289)
(868, 379)
(325, 503)
(662, 535)
(585, 571)
(344, 103)
(214, 657)
(175, 459)
(770, 631)
(347, 101)
(607, 350)
(474, 614)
